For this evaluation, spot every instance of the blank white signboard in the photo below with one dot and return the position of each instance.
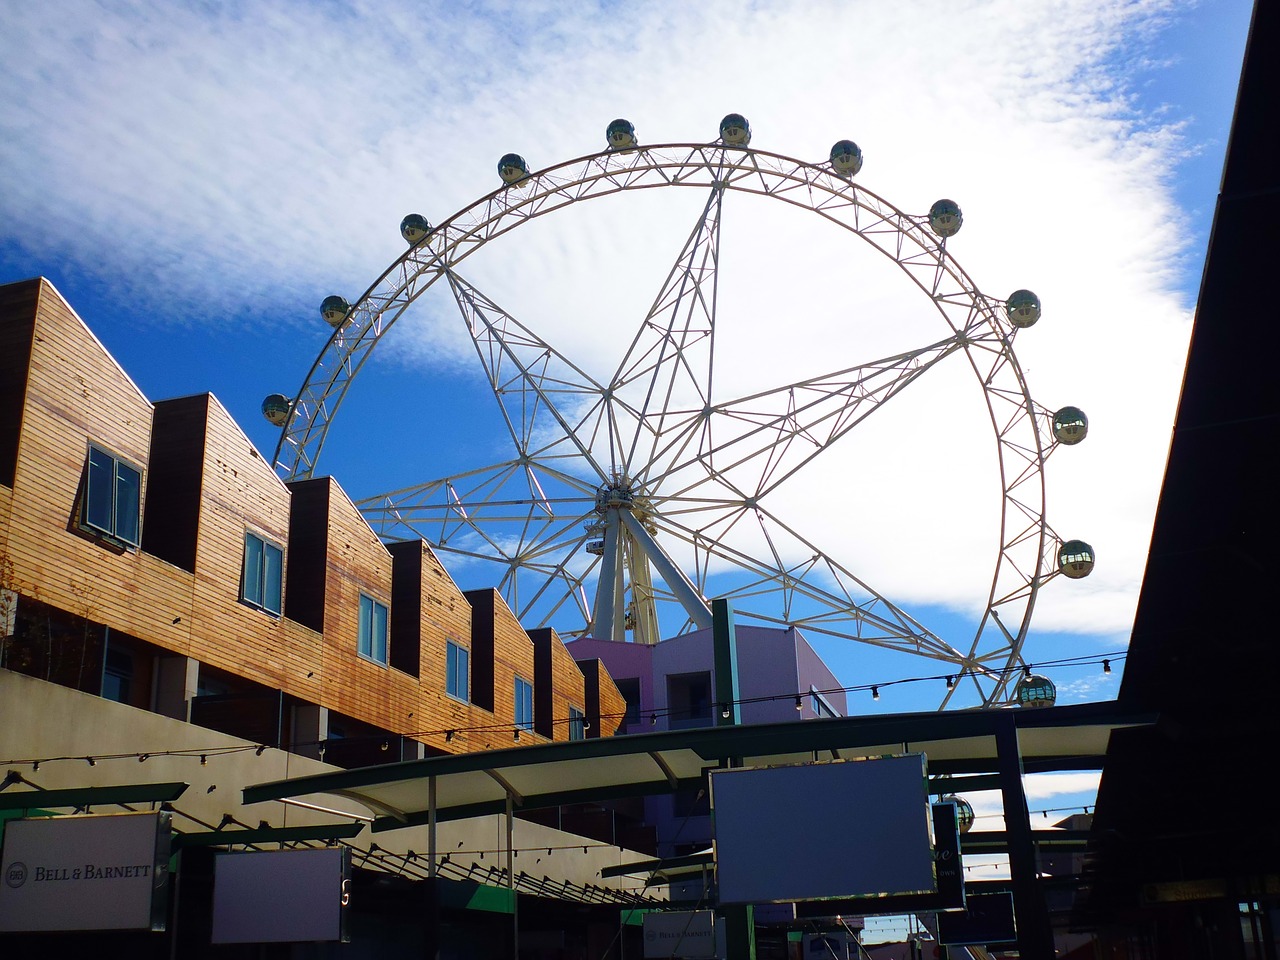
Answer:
(823, 830)
(278, 896)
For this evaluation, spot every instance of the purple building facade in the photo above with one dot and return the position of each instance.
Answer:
(671, 686)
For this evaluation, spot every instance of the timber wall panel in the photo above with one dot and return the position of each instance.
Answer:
(76, 393)
(444, 615)
(239, 493)
(356, 563)
(512, 657)
(567, 687)
(613, 705)
(559, 684)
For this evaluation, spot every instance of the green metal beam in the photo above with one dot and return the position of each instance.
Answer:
(92, 796)
(659, 866)
(226, 838)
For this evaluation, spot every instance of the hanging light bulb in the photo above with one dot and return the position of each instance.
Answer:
(799, 702)
(1106, 666)
(875, 693)
(951, 683)
(724, 710)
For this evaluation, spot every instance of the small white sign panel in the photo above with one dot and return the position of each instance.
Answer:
(83, 873)
(279, 896)
(855, 828)
(680, 933)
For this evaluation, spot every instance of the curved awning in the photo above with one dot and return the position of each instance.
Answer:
(962, 745)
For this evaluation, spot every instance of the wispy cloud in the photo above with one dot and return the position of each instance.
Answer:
(234, 163)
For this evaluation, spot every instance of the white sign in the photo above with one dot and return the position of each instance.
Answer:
(818, 831)
(680, 933)
(280, 896)
(85, 873)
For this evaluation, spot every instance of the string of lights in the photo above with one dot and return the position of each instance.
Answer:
(203, 754)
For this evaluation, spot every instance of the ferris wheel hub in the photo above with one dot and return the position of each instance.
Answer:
(616, 495)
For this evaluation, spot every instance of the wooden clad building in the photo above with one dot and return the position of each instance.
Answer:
(151, 555)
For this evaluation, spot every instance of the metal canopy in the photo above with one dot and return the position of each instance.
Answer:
(467, 785)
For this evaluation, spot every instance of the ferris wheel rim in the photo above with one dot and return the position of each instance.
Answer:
(467, 232)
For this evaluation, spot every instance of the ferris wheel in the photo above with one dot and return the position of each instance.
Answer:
(629, 496)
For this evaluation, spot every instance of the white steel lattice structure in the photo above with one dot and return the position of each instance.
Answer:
(622, 496)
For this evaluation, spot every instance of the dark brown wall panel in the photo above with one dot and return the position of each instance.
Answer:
(406, 605)
(543, 682)
(17, 327)
(175, 475)
(308, 538)
(482, 630)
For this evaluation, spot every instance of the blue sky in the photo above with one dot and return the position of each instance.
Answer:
(196, 178)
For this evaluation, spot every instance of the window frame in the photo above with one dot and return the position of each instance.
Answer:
(372, 640)
(92, 500)
(577, 723)
(522, 709)
(821, 705)
(261, 602)
(455, 678)
(631, 710)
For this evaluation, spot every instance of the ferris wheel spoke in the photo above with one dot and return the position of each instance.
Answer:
(505, 495)
(763, 439)
(794, 573)
(532, 381)
(504, 516)
(669, 363)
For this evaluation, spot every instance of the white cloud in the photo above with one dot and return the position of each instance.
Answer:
(228, 164)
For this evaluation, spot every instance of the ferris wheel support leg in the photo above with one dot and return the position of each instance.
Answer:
(698, 609)
(610, 622)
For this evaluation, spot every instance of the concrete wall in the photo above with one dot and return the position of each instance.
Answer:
(42, 721)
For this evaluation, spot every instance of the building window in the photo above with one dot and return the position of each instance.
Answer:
(821, 706)
(689, 700)
(262, 581)
(457, 671)
(117, 676)
(524, 704)
(112, 498)
(373, 630)
(577, 724)
(629, 687)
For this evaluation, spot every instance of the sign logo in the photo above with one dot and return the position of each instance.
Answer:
(16, 875)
